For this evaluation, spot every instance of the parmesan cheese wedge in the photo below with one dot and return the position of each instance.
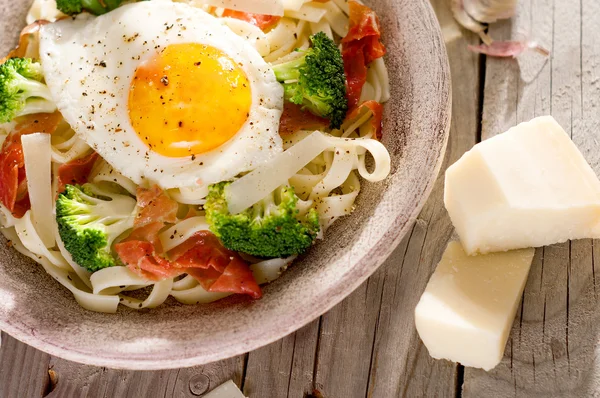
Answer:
(528, 187)
(466, 312)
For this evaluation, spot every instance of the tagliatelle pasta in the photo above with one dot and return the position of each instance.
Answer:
(324, 167)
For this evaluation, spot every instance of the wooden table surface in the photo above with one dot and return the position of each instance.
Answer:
(367, 346)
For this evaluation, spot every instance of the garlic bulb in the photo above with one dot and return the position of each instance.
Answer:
(475, 14)
(467, 21)
(489, 11)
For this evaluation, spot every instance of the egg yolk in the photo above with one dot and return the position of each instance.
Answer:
(188, 99)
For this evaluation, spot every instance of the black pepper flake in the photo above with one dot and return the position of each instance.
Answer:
(164, 80)
(193, 157)
(198, 63)
(102, 64)
(180, 123)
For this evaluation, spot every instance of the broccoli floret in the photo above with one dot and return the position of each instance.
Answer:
(89, 220)
(21, 89)
(316, 80)
(96, 7)
(270, 228)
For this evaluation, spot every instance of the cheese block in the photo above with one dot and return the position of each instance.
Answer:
(468, 307)
(226, 390)
(528, 187)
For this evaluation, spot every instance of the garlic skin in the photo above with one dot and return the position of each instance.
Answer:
(463, 18)
(489, 11)
(474, 14)
(467, 21)
(508, 48)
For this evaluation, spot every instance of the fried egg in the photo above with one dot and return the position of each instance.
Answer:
(164, 92)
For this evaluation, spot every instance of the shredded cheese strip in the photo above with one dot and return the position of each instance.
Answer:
(37, 153)
(251, 188)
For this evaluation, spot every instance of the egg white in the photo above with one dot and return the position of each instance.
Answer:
(89, 63)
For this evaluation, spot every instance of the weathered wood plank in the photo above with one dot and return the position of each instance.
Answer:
(552, 348)
(346, 341)
(90, 381)
(269, 369)
(401, 365)
(23, 369)
(303, 362)
(345, 337)
(284, 368)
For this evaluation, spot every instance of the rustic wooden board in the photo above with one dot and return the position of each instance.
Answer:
(365, 346)
(23, 369)
(401, 365)
(553, 344)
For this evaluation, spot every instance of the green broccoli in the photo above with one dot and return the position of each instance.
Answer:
(89, 220)
(270, 228)
(21, 89)
(316, 80)
(96, 7)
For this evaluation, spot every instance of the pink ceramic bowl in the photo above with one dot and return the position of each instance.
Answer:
(38, 311)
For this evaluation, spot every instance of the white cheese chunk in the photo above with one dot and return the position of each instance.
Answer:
(468, 307)
(226, 390)
(528, 187)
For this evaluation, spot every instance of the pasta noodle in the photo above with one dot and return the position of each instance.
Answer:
(336, 18)
(181, 232)
(323, 168)
(310, 12)
(106, 173)
(269, 270)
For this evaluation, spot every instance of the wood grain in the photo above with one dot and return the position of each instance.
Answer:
(23, 369)
(365, 346)
(89, 381)
(284, 368)
(401, 365)
(553, 344)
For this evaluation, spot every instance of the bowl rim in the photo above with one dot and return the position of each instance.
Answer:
(343, 287)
